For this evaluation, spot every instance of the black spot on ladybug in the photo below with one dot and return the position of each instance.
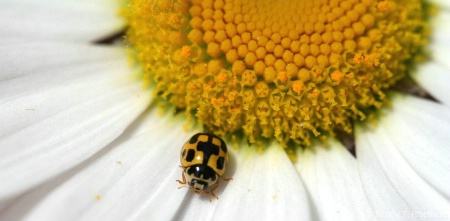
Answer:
(208, 149)
(184, 153)
(220, 162)
(223, 146)
(194, 138)
(202, 171)
(190, 155)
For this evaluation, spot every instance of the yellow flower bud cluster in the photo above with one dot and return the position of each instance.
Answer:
(288, 70)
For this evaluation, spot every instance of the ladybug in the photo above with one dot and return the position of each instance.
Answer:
(204, 159)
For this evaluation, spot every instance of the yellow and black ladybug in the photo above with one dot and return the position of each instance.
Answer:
(204, 159)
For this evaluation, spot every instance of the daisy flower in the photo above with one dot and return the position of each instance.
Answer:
(82, 139)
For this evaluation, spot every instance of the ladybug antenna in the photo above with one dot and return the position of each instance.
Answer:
(183, 187)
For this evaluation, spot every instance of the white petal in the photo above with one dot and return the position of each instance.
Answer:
(59, 105)
(405, 161)
(132, 179)
(264, 187)
(439, 53)
(434, 75)
(442, 3)
(68, 20)
(435, 78)
(331, 178)
(441, 26)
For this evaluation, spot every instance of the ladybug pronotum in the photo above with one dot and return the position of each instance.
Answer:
(204, 159)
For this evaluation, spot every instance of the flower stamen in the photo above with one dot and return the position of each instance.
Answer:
(289, 70)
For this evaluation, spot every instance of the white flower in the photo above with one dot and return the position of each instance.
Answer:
(78, 141)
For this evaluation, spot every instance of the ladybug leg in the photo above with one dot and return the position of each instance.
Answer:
(214, 188)
(227, 179)
(206, 192)
(183, 177)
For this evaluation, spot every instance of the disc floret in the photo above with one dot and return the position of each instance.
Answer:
(289, 70)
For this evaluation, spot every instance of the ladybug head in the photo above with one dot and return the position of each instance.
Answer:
(200, 177)
(198, 185)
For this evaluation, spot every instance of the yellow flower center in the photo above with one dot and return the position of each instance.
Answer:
(289, 70)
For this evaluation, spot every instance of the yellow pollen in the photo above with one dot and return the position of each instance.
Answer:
(298, 86)
(383, 5)
(174, 19)
(186, 51)
(285, 70)
(358, 58)
(337, 75)
(222, 78)
(282, 76)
